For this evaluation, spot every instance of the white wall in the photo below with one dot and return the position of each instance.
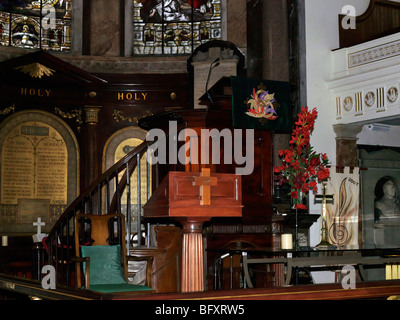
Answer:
(322, 36)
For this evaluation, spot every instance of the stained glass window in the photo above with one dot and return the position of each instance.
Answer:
(40, 24)
(171, 27)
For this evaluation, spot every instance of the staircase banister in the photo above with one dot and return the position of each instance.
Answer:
(122, 184)
(117, 167)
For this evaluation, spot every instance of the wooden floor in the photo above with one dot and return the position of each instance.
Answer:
(363, 290)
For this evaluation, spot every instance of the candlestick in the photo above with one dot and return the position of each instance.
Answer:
(324, 243)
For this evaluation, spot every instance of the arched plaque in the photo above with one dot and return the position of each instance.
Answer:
(38, 170)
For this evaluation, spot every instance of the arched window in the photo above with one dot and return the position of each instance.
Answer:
(32, 24)
(171, 27)
(118, 146)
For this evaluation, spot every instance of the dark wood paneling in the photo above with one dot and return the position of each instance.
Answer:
(71, 90)
(380, 19)
(16, 259)
(166, 270)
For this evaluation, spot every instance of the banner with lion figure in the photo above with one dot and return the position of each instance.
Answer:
(343, 213)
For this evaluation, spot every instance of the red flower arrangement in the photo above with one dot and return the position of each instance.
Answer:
(301, 166)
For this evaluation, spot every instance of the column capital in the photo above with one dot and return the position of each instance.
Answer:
(347, 131)
(92, 114)
(192, 225)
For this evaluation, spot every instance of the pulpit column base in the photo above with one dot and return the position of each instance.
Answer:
(192, 256)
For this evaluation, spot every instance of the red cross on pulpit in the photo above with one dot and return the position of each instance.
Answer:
(205, 181)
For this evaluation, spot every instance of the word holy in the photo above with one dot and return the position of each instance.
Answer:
(35, 92)
(137, 96)
(189, 151)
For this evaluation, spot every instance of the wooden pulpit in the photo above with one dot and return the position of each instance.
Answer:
(255, 226)
(192, 198)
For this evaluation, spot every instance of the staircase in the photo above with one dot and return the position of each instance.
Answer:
(112, 192)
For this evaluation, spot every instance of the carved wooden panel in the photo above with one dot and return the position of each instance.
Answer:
(380, 19)
(167, 253)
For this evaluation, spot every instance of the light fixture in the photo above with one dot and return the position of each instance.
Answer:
(378, 127)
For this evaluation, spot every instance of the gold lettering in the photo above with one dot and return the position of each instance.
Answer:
(35, 92)
(137, 96)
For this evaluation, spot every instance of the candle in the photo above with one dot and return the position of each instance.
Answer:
(388, 272)
(4, 241)
(286, 241)
(394, 272)
(398, 271)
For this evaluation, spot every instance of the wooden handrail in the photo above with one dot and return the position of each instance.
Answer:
(34, 290)
(107, 174)
(111, 185)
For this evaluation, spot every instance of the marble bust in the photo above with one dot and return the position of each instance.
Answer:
(387, 205)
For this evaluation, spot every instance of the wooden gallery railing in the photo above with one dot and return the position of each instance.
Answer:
(104, 196)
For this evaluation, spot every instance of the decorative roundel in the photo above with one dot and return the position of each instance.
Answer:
(369, 99)
(392, 94)
(348, 103)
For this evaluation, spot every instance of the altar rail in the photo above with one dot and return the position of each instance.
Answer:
(12, 288)
(364, 290)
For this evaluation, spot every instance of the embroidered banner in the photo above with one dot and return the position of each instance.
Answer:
(261, 104)
(342, 215)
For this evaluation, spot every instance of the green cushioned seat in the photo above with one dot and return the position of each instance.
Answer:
(119, 287)
(106, 273)
(105, 264)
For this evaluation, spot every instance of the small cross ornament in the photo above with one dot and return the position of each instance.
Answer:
(205, 181)
(39, 225)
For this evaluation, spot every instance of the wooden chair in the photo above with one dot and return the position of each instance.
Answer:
(101, 258)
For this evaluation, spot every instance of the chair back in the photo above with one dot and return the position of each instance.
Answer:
(100, 230)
